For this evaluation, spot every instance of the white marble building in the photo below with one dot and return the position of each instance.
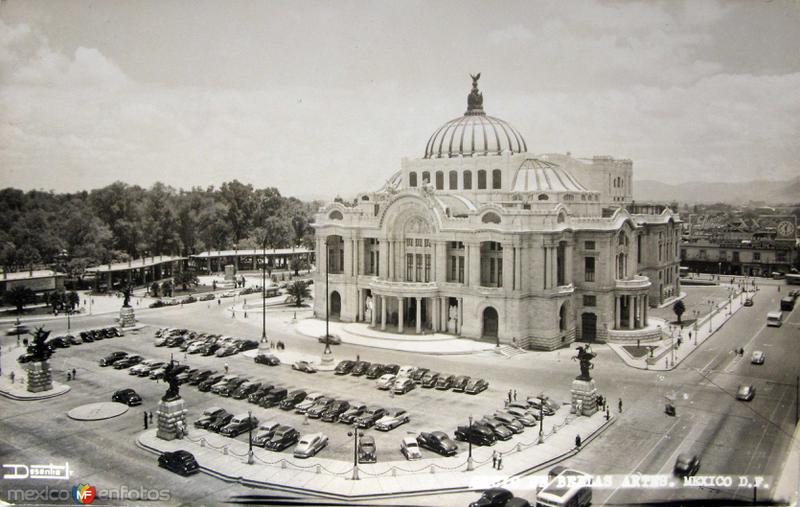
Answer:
(483, 239)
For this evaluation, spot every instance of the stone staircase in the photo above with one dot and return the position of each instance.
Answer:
(508, 351)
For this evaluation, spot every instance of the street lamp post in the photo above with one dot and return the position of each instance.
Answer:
(250, 437)
(541, 418)
(264, 292)
(470, 465)
(355, 436)
(327, 353)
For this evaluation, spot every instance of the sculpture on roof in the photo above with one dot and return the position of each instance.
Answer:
(126, 293)
(475, 97)
(171, 378)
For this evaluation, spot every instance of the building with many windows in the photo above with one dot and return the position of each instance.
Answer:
(483, 239)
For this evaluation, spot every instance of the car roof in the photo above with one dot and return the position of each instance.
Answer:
(410, 441)
(395, 411)
(367, 439)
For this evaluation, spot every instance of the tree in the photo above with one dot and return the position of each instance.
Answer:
(19, 297)
(73, 300)
(56, 300)
(297, 264)
(167, 288)
(154, 289)
(679, 308)
(186, 278)
(298, 291)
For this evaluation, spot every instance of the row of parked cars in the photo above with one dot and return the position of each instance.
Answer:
(206, 344)
(68, 340)
(510, 420)
(400, 380)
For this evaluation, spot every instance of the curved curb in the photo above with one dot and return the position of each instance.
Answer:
(64, 389)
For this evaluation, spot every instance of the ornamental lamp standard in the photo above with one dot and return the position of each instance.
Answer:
(541, 418)
(355, 435)
(250, 437)
(264, 291)
(326, 353)
(470, 465)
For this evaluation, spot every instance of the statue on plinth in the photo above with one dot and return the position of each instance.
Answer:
(127, 291)
(40, 376)
(585, 356)
(171, 378)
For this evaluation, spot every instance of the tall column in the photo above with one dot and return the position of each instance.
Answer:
(435, 314)
(400, 311)
(445, 313)
(617, 311)
(441, 261)
(630, 312)
(347, 246)
(553, 266)
(546, 274)
(374, 316)
(383, 313)
(568, 263)
(419, 315)
(644, 309)
(520, 263)
(460, 316)
(360, 309)
(474, 265)
(508, 267)
(383, 253)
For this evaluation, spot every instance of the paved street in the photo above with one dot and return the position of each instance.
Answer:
(732, 437)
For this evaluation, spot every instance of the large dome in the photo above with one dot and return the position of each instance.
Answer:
(475, 133)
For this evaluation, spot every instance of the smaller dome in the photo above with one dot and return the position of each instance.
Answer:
(536, 175)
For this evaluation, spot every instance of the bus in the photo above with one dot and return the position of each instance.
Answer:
(570, 488)
(793, 279)
(787, 304)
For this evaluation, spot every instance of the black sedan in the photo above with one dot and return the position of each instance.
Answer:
(127, 396)
(438, 442)
(360, 368)
(493, 497)
(220, 422)
(181, 462)
(127, 362)
(344, 367)
(268, 359)
(283, 437)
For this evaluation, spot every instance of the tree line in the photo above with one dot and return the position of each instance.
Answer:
(120, 221)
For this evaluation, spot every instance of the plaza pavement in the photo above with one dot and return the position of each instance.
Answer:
(226, 459)
(362, 335)
(663, 358)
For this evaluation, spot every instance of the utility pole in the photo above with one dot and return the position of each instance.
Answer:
(264, 291)
(469, 439)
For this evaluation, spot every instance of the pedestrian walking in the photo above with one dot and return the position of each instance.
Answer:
(358, 358)
(12, 376)
(69, 376)
(150, 416)
(17, 340)
(500, 461)
(515, 395)
(145, 420)
(620, 405)
(226, 372)
(219, 302)
(578, 441)
(494, 459)
(509, 395)
(245, 314)
(608, 416)
(74, 374)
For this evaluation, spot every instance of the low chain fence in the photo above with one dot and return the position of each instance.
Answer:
(392, 471)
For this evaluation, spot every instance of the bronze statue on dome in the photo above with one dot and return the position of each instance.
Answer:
(475, 97)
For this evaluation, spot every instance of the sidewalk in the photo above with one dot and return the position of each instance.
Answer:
(227, 459)
(662, 357)
(362, 334)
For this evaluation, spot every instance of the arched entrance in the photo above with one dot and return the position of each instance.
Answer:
(490, 323)
(336, 305)
(588, 327)
(562, 318)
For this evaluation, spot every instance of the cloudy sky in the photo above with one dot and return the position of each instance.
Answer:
(320, 98)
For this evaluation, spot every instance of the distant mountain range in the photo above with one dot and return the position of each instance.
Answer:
(771, 192)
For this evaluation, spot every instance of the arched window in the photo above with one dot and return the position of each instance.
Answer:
(623, 239)
(439, 180)
(412, 179)
(569, 197)
(467, 180)
(453, 177)
(543, 197)
(490, 218)
(365, 198)
(562, 217)
(426, 177)
(497, 179)
(481, 180)
(336, 215)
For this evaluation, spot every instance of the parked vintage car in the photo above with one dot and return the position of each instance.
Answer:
(239, 424)
(438, 442)
(127, 396)
(476, 385)
(367, 452)
(284, 436)
(403, 385)
(332, 413)
(356, 409)
(304, 366)
(310, 445)
(208, 416)
(268, 359)
(410, 448)
(391, 419)
(386, 381)
(344, 367)
(264, 433)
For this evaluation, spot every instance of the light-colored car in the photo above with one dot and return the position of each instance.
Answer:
(746, 392)
(229, 294)
(393, 418)
(386, 382)
(310, 445)
(144, 367)
(406, 371)
(410, 448)
(403, 385)
(758, 357)
(307, 402)
(523, 416)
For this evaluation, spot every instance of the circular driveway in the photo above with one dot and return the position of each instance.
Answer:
(97, 411)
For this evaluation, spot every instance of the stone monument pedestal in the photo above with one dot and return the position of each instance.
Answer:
(327, 358)
(126, 317)
(40, 376)
(171, 414)
(584, 396)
